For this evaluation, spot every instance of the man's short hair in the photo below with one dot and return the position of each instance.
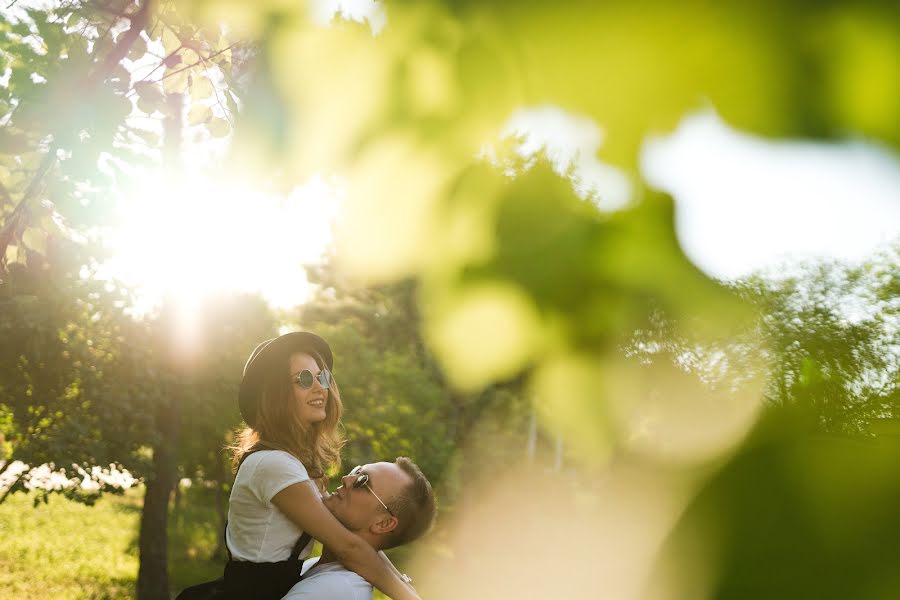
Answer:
(414, 507)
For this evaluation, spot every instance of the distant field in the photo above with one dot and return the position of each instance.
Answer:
(68, 551)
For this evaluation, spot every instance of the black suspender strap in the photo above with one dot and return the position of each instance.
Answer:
(302, 542)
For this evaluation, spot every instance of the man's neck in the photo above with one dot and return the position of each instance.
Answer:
(328, 556)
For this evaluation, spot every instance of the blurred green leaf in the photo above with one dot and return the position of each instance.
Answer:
(35, 239)
(199, 113)
(218, 127)
(138, 49)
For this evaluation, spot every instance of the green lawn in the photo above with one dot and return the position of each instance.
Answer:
(68, 551)
(64, 550)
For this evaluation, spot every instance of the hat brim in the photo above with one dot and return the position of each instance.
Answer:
(270, 356)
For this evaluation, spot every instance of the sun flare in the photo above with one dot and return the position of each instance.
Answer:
(192, 238)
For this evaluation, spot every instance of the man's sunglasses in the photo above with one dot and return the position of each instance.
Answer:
(306, 378)
(362, 479)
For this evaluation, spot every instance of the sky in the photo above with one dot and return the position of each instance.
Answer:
(742, 203)
(745, 203)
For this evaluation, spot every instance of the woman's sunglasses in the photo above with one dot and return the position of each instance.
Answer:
(306, 378)
(362, 479)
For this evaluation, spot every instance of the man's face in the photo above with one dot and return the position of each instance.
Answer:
(358, 508)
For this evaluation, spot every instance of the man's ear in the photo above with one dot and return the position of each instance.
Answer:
(384, 525)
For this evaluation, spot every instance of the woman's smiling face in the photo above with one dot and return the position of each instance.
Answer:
(311, 402)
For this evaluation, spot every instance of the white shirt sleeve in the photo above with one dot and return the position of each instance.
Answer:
(274, 472)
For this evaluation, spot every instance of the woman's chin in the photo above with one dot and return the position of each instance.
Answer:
(315, 417)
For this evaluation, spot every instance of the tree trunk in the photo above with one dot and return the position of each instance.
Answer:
(153, 576)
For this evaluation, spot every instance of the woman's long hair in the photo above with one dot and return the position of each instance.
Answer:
(279, 427)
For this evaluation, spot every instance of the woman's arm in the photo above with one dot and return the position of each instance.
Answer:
(301, 503)
(406, 578)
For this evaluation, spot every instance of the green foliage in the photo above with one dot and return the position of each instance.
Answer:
(84, 382)
(395, 402)
(68, 106)
(804, 507)
(67, 344)
(830, 338)
(792, 516)
(229, 329)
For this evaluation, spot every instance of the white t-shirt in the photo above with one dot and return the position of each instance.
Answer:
(330, 581)
(257, 531)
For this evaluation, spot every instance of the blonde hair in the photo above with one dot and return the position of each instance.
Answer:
(279, 427)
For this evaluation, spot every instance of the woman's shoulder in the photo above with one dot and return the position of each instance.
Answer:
(269, 471)
(271, 457)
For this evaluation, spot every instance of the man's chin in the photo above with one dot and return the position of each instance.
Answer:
(329, 500)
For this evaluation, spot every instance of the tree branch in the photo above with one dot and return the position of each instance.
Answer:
(139, 21)
(18, 213)
(201, 60)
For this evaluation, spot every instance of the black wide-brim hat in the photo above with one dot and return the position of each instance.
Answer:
(270, 359)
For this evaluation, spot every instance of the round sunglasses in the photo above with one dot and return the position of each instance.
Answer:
(306, 378)
(362, 479)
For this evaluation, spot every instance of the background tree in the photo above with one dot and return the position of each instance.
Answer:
(67, 349)
(830, 337)
(70, 141)
(825, 342)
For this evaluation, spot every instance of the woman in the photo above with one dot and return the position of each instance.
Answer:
(292, 407)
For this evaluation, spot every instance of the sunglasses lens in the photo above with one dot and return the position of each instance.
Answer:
(361, 478)
(305, 379)
(325, 378)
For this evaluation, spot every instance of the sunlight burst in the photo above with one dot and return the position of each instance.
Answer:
(194, 238)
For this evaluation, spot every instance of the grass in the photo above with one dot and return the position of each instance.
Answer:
(69, 551)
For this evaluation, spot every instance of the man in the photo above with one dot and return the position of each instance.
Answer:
(386, 504)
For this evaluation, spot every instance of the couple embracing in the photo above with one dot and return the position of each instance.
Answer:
(279, 504)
